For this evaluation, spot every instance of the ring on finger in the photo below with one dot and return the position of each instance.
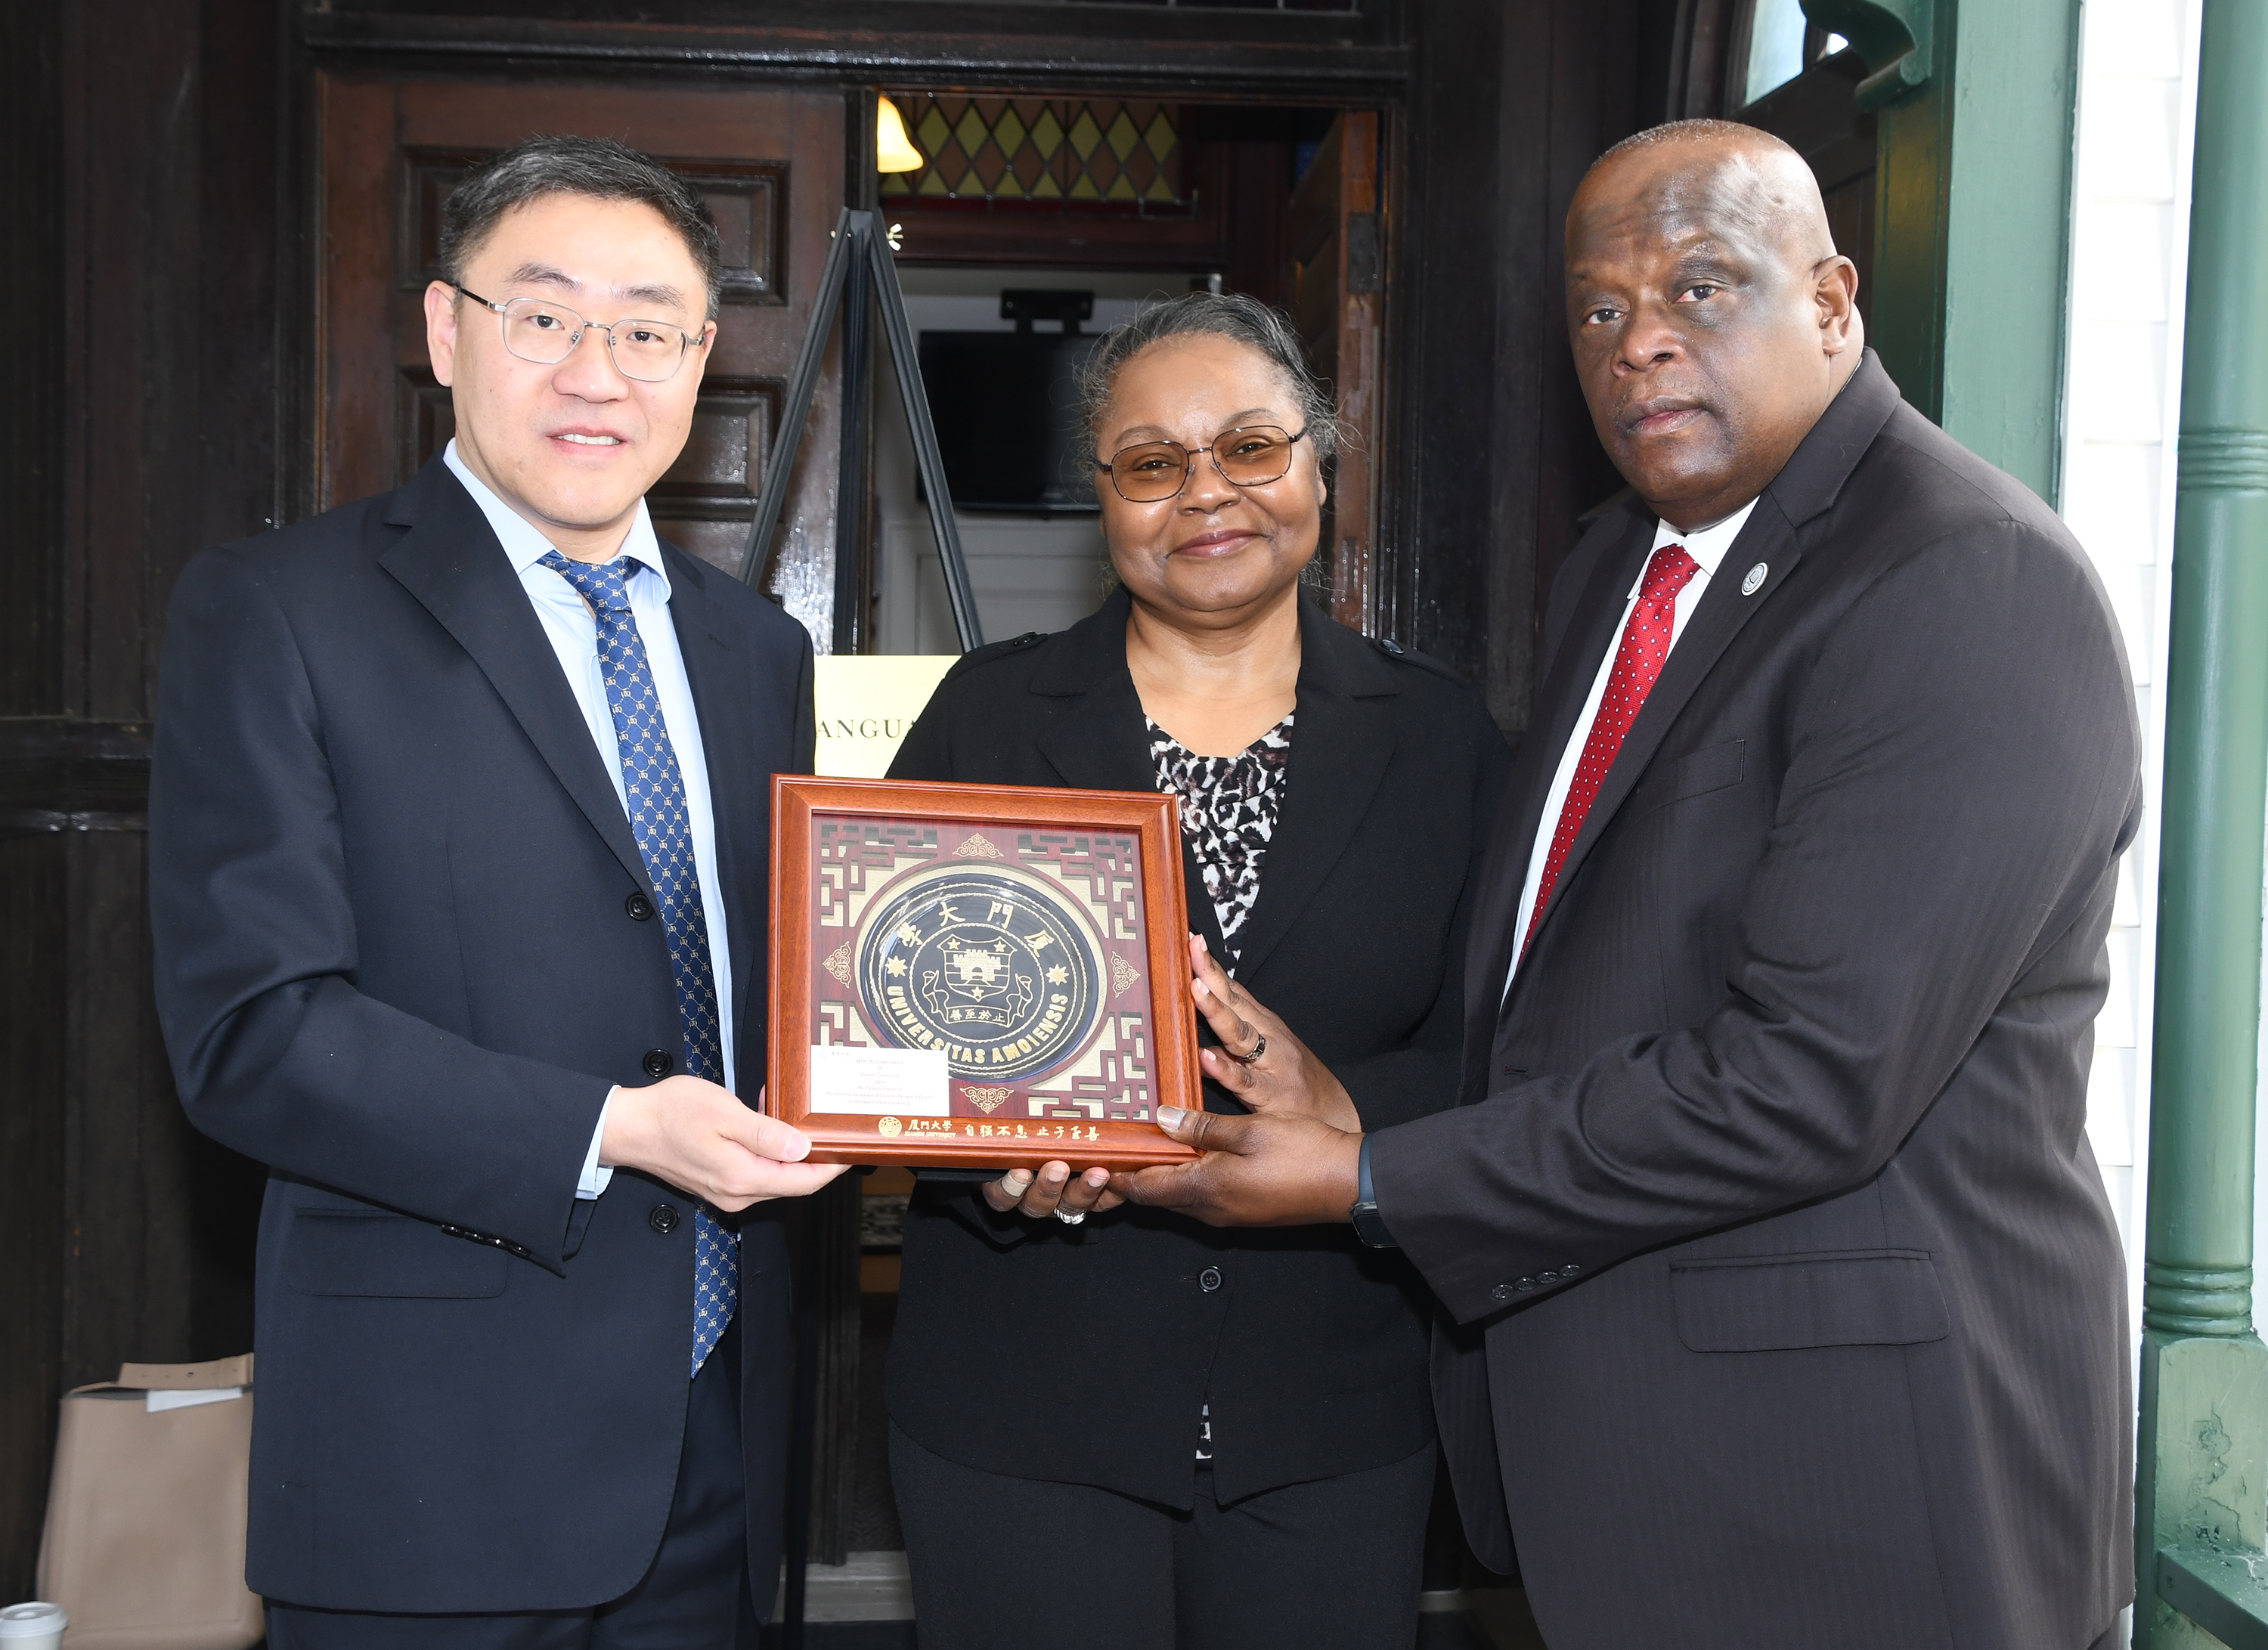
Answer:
(1259, 1047)
(1070, 1217)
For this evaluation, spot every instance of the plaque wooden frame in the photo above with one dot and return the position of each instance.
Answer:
(798, 805)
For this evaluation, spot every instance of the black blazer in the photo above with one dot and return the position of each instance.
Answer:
(1780, 1254)
(1082, 1354)
(394, 961)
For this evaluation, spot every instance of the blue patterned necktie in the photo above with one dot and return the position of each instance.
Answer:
(654, 791)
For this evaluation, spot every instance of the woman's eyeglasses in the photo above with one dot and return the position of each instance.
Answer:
(1150, 472)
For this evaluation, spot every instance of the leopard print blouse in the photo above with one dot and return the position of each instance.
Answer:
(1229, 807)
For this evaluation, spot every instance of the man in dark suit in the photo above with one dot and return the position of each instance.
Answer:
(457, 863)
(1788, 1308)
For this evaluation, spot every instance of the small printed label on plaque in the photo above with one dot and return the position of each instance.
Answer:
(873, 1082)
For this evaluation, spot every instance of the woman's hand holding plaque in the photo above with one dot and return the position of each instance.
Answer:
(1259, 1059)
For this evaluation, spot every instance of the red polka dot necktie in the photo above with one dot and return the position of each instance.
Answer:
(1637, 667)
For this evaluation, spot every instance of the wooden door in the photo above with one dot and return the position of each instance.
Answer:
(1337, 232)
(770, 165)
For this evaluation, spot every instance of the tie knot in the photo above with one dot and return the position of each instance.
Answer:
(604, 584)
(1668, 573)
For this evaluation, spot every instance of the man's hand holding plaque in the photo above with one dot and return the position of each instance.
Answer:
(699, 1136)
(1284, 1164)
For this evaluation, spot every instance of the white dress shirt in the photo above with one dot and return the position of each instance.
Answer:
(1707, 547)
(574, 632)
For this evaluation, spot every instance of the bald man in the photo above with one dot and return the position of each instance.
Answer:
(1783, 1305)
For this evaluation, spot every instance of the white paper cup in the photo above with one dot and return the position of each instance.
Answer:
(33, 1626)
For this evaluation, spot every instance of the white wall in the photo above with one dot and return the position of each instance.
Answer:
(2137, 110)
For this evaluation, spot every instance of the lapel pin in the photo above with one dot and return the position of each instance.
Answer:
(1756, 578)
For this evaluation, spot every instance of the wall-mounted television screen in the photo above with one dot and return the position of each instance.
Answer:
(1006, 405)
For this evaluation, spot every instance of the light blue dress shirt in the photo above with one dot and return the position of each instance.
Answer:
(574, 633)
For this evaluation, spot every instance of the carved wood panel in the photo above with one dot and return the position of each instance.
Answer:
(770, 164)
(1338, 239)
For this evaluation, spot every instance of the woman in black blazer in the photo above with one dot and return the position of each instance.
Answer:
(1111, 1426)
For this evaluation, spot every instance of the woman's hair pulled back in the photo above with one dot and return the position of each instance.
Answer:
(1236, 315)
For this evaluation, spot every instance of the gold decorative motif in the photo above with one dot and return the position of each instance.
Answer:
(985, 1099)
(977, 847)
(889, 1125)
(843, 965)
(1123, 974)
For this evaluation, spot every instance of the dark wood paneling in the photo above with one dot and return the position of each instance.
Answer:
(33, 924)
(1691, 71)
(67, 773)
(142, 219)
(1333, 228)
(1342, 57)
(1514, 103)
(31, 372)
(1595, 104)
(1457, 243)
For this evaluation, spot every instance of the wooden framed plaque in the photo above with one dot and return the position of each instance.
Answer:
(976, 975)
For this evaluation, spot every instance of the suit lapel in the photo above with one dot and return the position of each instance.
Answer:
(451, 562)
(717, 671)
(1804, 488)
(1558, 702)
(1342, 743)
(1721, 615)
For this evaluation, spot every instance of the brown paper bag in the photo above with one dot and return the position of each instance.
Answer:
(144, 1538)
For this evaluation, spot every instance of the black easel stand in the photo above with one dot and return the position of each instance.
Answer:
(858, 276)
(859, 261)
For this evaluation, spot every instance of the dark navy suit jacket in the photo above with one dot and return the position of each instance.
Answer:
(397, 961)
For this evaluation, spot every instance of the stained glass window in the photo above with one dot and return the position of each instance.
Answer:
(1047, 151)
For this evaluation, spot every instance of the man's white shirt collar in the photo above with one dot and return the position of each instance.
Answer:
(1706, 545)
(524, 545)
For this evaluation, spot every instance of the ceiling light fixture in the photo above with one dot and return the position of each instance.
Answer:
(894, 150)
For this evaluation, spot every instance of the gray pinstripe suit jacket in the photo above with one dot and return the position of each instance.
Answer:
(1788, 1308)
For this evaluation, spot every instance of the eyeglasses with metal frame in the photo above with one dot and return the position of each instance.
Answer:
(546, 333)
(1150, 472)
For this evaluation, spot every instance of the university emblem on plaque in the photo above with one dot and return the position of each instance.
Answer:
(978, 976)
(986, 961)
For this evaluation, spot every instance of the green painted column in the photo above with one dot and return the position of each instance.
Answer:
(2202, 1478)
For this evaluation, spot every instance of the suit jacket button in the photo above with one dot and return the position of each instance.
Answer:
(639, 906)
(1209, 1279)
(662, 1218)
(1501, 1292)
(657, 1063)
